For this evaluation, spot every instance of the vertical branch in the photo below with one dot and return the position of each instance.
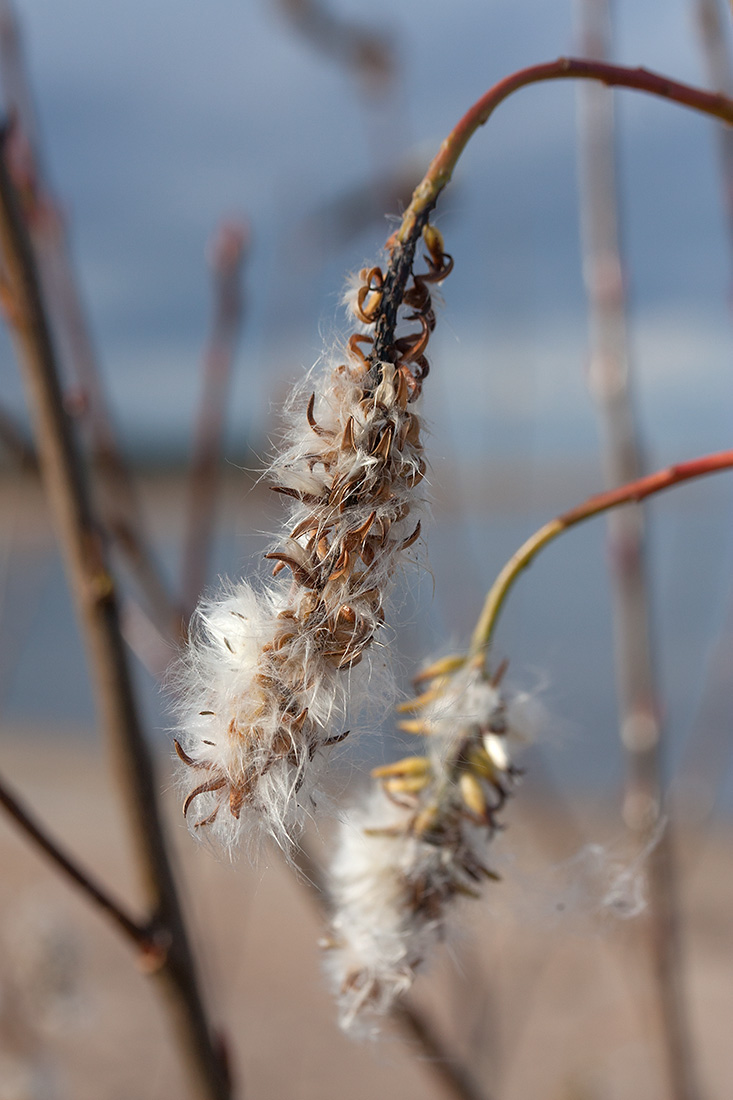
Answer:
(610, 382)
(226, 256)
(67, 319)
(708, 747)
(95, 598)
(714, 39)
(609, 379)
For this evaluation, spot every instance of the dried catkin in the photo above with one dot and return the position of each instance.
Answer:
(420, 842)
(271, 670)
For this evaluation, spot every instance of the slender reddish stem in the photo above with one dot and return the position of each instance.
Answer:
(633, 492)
(401, 245)
(648, 486)
(564, 68)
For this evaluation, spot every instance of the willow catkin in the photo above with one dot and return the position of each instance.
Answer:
(271, 670)
(420, 842)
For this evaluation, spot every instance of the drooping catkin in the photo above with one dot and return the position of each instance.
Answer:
(420, 842)
(271, 671)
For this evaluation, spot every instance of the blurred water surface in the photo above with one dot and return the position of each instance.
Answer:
(555, 630)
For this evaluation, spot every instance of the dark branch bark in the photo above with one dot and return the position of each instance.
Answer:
(67, 321)
(140, 934)
(95, 597)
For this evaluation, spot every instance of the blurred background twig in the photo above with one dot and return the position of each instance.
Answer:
(78, 361)
(93, 588)
(610, 378)
(227, 252)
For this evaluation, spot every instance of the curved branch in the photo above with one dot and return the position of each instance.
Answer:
(633, 492)
(565, 68)
(401, 245)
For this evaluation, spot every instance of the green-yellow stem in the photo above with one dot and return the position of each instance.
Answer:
(500, 588)
(633, 492)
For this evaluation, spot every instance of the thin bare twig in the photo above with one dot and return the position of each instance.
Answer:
(227, 252)
(610, 384)
(13, 439)
(454, 1075)
(358, 48)
(401, 245)
(94, 593)
(641, 729)
(141, 936)
(715, 43)
(596, 505)
(48, 233)
(708, 749)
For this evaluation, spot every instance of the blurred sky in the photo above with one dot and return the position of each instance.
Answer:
(160, 119)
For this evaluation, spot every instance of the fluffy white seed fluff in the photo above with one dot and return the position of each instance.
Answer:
(273, 669)
(376, 944)
(403, 858)
(271, 673)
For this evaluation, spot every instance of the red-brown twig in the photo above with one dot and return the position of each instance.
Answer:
(632, 493)
(564, 68)
(402, 243)
(94, 594)
(664, 916)
(227, 252)
(358, 48)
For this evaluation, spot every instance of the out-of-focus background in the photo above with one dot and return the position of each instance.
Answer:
(158, 121)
